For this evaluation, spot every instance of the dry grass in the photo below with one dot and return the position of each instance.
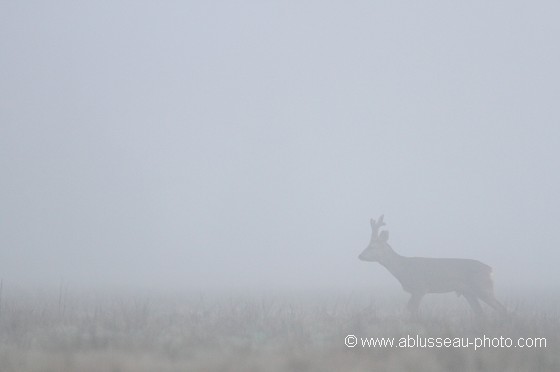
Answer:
(302, 332)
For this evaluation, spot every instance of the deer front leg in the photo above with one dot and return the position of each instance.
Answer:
(414, 303)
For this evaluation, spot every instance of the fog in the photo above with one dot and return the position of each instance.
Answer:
(245, 145)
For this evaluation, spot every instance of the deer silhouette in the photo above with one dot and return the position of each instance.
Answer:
(421, 275)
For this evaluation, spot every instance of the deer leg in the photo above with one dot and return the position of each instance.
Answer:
(414, 303)
(491, 300)
(475, 305)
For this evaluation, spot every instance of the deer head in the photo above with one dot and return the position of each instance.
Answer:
(377, 247)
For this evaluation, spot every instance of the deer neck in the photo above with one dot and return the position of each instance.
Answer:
(393, 261)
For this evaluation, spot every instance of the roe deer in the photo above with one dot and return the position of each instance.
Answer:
(420, 275)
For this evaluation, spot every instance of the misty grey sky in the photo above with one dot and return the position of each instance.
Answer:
(246, 144)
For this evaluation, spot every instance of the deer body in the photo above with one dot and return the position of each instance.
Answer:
(421, 275)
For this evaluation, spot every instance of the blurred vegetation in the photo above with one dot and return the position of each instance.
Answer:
(288, 332)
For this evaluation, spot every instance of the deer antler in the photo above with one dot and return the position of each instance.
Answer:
(375, 226)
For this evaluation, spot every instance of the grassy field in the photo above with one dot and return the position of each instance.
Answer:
(242, 332)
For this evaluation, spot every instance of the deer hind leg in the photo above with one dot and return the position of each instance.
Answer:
(490, 299)
(414, 303)
(475, 305)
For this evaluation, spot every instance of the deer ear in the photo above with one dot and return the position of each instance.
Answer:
(384, 236)
(372, 223)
